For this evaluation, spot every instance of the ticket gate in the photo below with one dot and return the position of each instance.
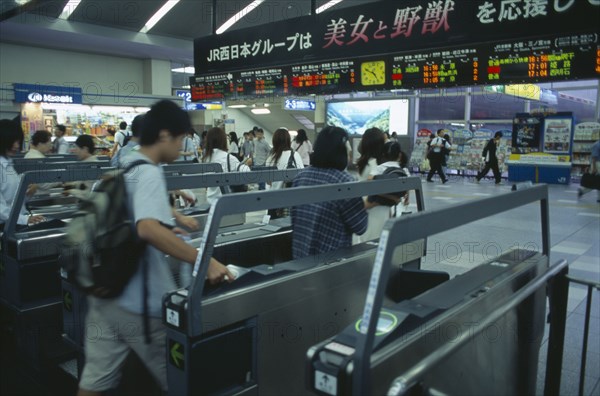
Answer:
(251, 336)
(29, 281)
(479, 333)
(270, 245)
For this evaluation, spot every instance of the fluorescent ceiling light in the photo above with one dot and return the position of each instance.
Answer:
(113, 109)
(22, 2)
(240, 106)
(69, 9)
(261, 111)
(231, 21)
(159, 15)
(327, 5)
(187, 70)
(142, 109)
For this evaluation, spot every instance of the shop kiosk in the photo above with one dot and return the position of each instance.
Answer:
(439, 342)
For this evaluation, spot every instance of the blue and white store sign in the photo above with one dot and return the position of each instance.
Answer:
(35, 93)
(297, 104)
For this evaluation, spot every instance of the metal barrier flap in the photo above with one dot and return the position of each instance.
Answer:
(254, 201)
(422, 225)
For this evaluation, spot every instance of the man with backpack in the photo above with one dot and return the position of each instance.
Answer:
(121, 138)
(131, 321)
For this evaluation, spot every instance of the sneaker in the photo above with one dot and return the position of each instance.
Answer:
(444, 181)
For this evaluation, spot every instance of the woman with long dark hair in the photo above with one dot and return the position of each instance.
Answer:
(234, 148)
(327, 226)
(216, 152)
(281, 154)
(303, 146)
(370, 149)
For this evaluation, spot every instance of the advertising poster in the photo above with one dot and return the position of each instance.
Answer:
(557, 135)
(527, 130)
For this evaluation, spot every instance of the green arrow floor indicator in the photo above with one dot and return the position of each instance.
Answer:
(68, 301)
(176, 354)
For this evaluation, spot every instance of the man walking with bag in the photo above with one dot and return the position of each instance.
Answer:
(436, 156)
(490, 159)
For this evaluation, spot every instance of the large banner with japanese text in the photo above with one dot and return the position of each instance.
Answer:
(407, 44)
(390, 26)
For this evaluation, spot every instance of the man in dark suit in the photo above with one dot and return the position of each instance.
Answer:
(490, 158)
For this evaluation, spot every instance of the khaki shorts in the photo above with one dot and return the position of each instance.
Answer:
(110, 334)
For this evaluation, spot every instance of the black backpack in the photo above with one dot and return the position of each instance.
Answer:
(389, 173)
(101, 249)
(126, 138)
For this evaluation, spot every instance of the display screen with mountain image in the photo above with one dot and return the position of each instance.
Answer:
(358, 116)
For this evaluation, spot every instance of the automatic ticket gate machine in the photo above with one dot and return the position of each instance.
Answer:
(251, 336)
(233, 237)
(479, 333)
(41, 166)
(29, 283)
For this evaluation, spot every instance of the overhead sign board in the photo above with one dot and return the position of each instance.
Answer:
(390, 26)
(34, 93)
(299, 104)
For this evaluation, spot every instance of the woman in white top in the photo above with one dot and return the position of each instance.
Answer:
(234, 148)
(302, 146)
(216, 152)
(12, 137)
(378, 215)
(371, 150)
(281, 154)
(41, 144)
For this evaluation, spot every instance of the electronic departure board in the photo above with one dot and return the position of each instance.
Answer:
(511, 62)
(330, 77)
(436, 68)
(215, 86)
(273, 81)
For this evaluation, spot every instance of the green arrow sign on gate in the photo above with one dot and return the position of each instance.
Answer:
(68, 301)
(176, 354)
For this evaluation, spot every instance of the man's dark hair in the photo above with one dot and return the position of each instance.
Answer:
(440, 131)
(498, 134)
(123, 125)
(11, 132)
(137, 125)
(86, 141)
(164, 115)
(41, 137)
(62, 128)
(330, 149)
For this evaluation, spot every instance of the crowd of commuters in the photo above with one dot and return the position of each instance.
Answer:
(164, 135)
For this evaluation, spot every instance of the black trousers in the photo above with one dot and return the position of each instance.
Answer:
(493, 165)
(436, 167)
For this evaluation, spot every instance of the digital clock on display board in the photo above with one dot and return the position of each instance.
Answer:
(372, 73)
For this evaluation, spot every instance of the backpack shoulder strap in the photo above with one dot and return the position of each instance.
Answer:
(134, 164)
(291, 160)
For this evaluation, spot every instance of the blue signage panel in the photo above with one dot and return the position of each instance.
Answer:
(36, 93)
(185, 94)
(296, 104)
